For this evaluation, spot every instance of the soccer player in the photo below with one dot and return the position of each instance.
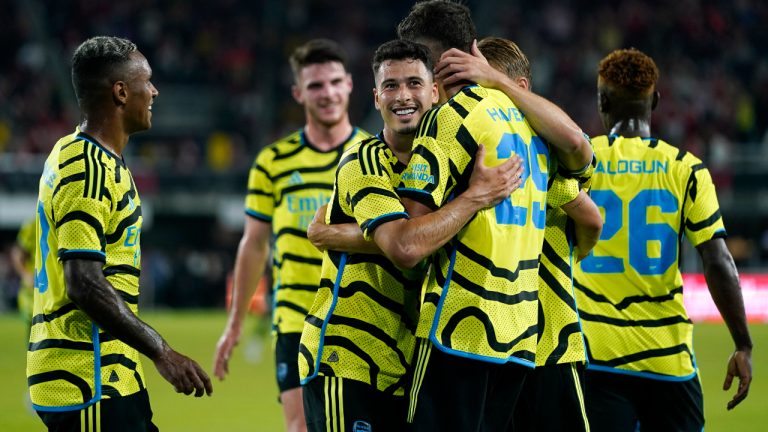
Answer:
(478, 319)
(83, 366)
(289, 181)
(358, 338)
(573, 227)
(629, 290)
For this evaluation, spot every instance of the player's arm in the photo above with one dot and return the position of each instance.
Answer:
(252, 255)
(93, 294)
(408, 241)
(339, 237)
(588, 223)
(574, 151)
(19, 258)
(723, 282)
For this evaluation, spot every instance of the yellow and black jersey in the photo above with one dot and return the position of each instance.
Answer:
(361, 325)
(88, 209)
(288, 182)
(629, 289)
(560, 336)
(481, 297)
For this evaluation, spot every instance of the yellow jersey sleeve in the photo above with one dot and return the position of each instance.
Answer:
(703, 220)
(259, 201)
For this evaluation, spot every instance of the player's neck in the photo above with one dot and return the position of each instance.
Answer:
(632, 127)
(450, 91)
(107, 133)
(400, 144)
(325, 137)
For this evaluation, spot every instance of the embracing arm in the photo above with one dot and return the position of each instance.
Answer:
(339, 237)
(589, 223)
(723, 282)
(252, 255)
(408, 241)
(93, 294)
(574, 150)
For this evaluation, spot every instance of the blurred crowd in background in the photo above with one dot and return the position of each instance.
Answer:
(224, 80)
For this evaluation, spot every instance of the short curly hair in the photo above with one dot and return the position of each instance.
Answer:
(629, 72)
(446, 22)
(505, 56)
(99, 62)
(316, 51)
(400, 49)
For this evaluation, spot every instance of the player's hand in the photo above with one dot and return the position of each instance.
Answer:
(316, 229)
(184, 374)
(489, 186)
(739, 365)
(456, 65)
(227, 343)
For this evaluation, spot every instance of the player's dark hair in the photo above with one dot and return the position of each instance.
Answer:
(447, 23)
(317, 51)
(629, 73)
(505, 56)
(97, 63)
(400, 49)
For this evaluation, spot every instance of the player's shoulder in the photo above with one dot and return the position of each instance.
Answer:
(367, 149)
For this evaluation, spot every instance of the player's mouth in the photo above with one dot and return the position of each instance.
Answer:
(405, 113)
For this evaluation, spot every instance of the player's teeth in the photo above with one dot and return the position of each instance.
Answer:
(405, 111)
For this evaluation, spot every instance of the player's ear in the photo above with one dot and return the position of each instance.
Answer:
(435, 93)
(603, 103)
(349, 80)
(119, 92)
(523, 83)
(376, 99)
(655, 100)
(296, 93)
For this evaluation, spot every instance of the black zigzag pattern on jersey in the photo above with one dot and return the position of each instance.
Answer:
(619, 322)
(706, 223)
(485, 294)
(122, 360)
(294, 188)
(290, 231)
(468, 91)
(60, 343)
(372, 330)
(308, 357)
(258, 192)
(67, 180)
(431, 297)
(460, 110)
(557, 288)
(121, 269)
(467, 141)
(498, 272)
(348, 158)
(490, 332)
(627, 301)
(88, 219)
(371, 190)
(340, 341)
(562, 342)
(81, 384)
(328, 167)
(299, 287)
(73, 159)
(642, 355)
(125, 200)
(292, 306)
(428, 124)
(368, 154)
(289, 154)
(128, 298)
(123, 225)
(369, 291)
(42, 317)
(298, 259)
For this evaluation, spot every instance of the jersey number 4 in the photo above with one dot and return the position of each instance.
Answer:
(506, 213)
(640, 232)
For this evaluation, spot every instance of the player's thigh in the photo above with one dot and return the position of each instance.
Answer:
(672, 406)
(553, 389)
(449, 392)
(287, 361)
(609, 402)
(505, 387)
(293, 409)
(334, 404)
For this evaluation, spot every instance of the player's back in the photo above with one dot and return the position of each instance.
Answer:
(481, 299)
(630, 288)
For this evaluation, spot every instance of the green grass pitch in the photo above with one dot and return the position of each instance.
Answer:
(247, 399)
